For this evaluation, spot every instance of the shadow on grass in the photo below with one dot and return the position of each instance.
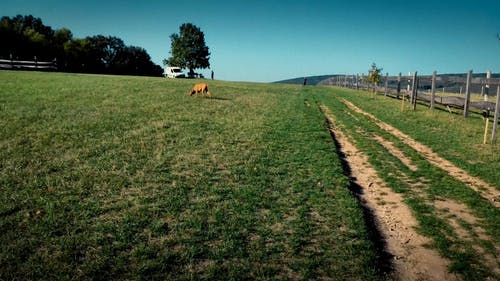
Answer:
(218, 98)
(384, 259)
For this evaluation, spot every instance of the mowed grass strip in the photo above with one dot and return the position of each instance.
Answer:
(455, 138)
(111, 177)
(473, 254)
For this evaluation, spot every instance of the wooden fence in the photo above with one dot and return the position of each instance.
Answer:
(450, 91)
(28, 65)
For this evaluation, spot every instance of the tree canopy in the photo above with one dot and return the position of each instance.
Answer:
(24, 37)
(189, 49)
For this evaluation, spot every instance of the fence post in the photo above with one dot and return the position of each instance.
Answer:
(467, 94)
(409, 83)
(398, 90)
(495, 119)
(433, 89)
(416, 92)
(386, 83)
(487, 86)
(36, 63)
(487, 121)
(413, 87)
(357, 81)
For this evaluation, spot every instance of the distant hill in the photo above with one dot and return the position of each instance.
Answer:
(451, 81)
(311, 80)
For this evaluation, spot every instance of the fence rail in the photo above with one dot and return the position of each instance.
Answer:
(28, 65)
(449, 91)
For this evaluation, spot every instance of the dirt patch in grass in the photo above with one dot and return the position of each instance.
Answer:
(396, 152)
(412, 259)
(466, 227)
(485, 189)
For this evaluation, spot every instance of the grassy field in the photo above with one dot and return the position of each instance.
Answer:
(424, 189)
(113, 177)
(455, 138)
(108, 177)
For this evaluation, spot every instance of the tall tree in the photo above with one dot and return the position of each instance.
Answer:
(105, 50)
(62, 36)
(189, 49)
(133, 60)
(25, 37)
(78, 56)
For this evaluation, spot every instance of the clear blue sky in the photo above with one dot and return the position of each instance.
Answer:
(270, 40)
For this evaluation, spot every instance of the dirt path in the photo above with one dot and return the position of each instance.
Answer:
(396, 152)
(412, 260)
(453, 212)
(485, 189)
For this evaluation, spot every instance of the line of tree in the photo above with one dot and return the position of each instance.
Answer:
(26, 37)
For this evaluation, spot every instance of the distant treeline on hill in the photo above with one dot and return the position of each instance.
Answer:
(26, 37)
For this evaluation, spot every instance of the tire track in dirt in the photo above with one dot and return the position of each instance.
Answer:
(395, 152)
(412, 259)
(454, 213)
(485, 189)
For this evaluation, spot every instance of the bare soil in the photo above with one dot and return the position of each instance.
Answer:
(485, 189)
(396, 152)
(455, 213)
(412, 259)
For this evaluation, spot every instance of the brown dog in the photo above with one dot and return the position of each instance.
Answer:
(200, 87)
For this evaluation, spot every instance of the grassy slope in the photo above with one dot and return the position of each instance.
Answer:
(109, 177)
(453, 138)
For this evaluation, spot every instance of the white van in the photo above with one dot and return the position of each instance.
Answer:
(174, 72)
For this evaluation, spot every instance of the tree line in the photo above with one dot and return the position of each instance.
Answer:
(26, 37)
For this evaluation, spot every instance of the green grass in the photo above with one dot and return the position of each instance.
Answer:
(452, 137)
(111, 177)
